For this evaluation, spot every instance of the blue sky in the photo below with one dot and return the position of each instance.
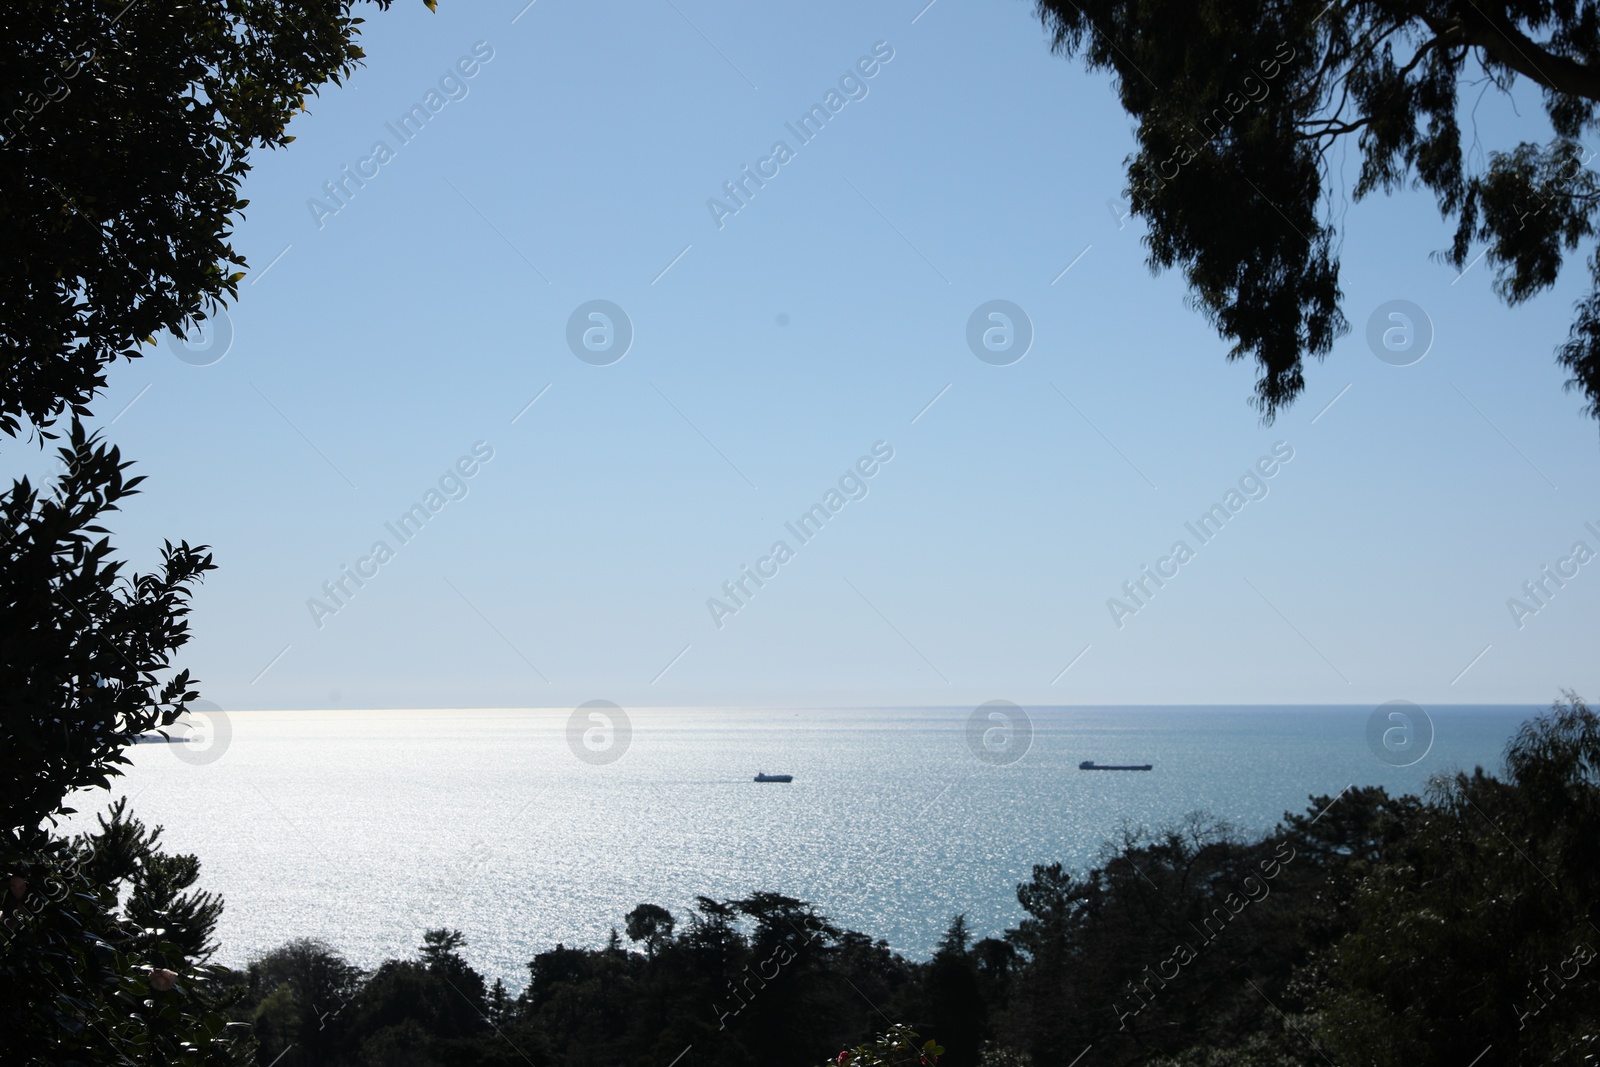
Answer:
(373, 347)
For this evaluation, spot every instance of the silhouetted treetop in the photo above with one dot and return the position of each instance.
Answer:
(124, 137)
(1239, 103)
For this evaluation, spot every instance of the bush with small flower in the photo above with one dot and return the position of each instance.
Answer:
(899, 1046)
(103, 954)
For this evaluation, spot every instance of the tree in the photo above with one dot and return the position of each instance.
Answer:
(464, 1007)
(439, 947)
(84, 656)
(652, 924)
(300, 993)
(123, 141)
(84, 651)
(104, 955)
(956, 937)
(1479, 928)
(125, 132)
(955, 997)
(1239, 104)
(1182, 936)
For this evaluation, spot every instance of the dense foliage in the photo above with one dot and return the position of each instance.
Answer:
(125, 132)
(1240, 105)
(85, 651)
(104, 946)
(1397, 931)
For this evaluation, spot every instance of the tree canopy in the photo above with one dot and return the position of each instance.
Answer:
(85, 650)
(1239, 103)
(1400, 931)
(125, 133)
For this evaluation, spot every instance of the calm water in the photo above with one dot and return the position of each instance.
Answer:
(365, 828)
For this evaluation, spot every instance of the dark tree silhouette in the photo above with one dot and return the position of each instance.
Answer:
(104, 950)
(1239, 104)
(1368, 929)
(957, 1010)
(1482, 926)
(652, 924)
(125, 132)
(84, 650)
(302, 992)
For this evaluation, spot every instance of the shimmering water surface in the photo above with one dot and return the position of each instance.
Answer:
(365, 828)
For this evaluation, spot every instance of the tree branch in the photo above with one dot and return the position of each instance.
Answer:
(1512, 48)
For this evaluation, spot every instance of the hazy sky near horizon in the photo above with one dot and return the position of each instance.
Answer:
(385, 335)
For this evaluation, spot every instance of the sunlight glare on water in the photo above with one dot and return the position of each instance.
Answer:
(365, 828)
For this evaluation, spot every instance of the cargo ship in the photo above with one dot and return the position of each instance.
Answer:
(1091, 765)
(762, 776)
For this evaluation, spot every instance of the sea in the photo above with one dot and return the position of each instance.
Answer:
(525, 829)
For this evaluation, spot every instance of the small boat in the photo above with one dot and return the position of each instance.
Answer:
(762, 776)
(1091, 765)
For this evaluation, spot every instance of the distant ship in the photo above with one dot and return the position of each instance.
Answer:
(762, 776)
(1091, 765)
(154, 738)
